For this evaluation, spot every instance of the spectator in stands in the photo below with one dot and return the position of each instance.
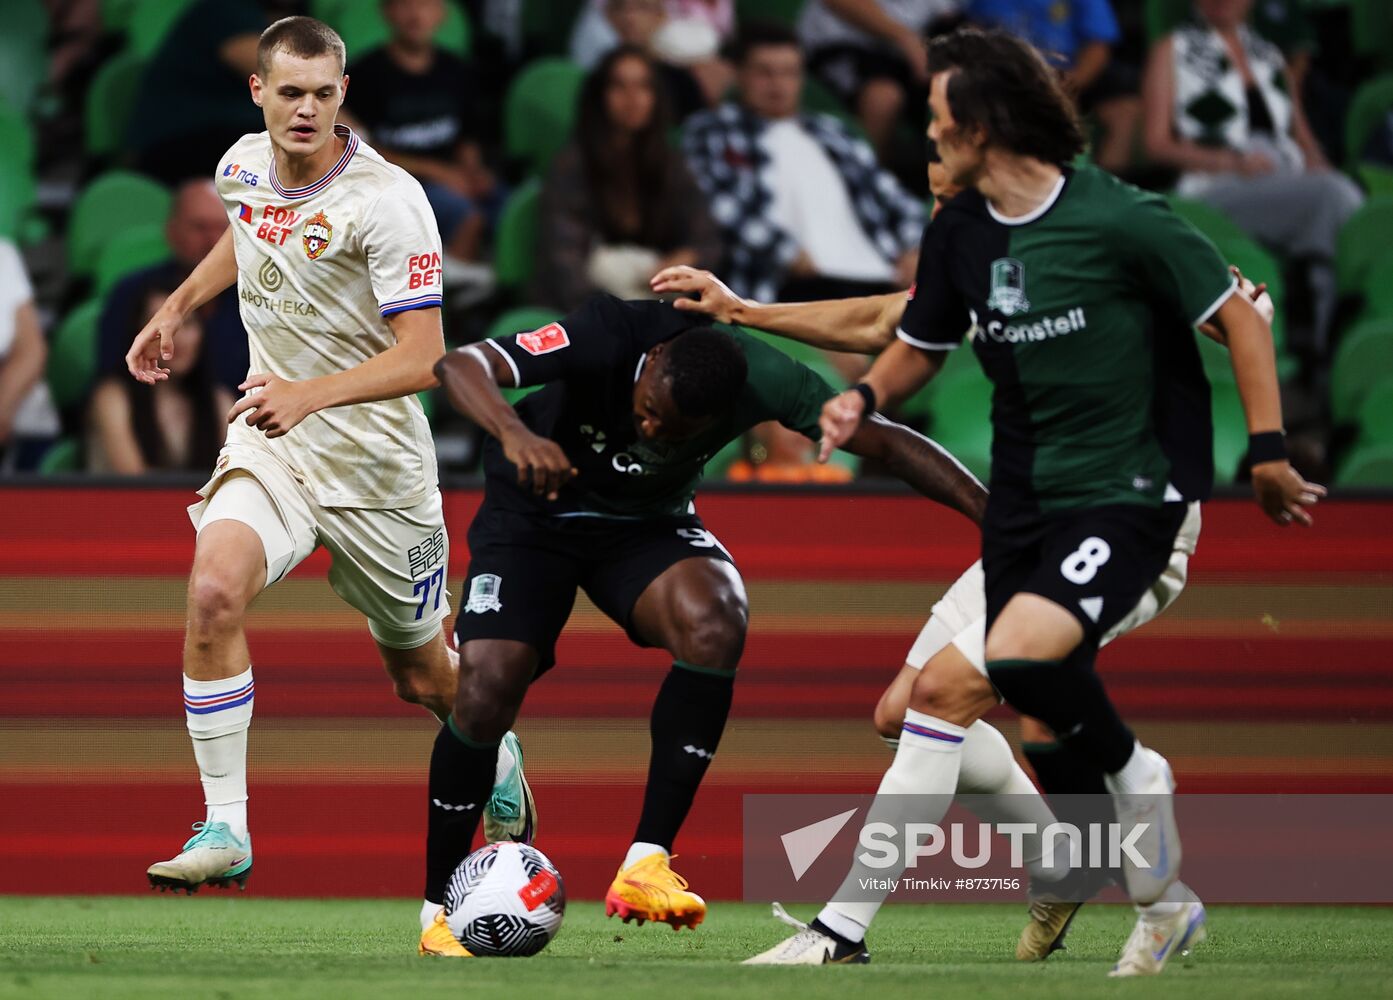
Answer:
(27, 418)
(193, 101)
(619, 203)
(417, 102)
(871, 54)
(195, 223)
(1078, 36)
(177, 425)
(805, 211)
(686, 52)
(1220, 107)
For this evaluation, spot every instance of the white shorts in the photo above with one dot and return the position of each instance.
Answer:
(388, 564)
(960, 616)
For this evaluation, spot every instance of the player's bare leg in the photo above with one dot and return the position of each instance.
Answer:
(1037, 658)
(229, 570)
(696, 610)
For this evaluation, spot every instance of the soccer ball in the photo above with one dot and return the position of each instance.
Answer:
(505, 899)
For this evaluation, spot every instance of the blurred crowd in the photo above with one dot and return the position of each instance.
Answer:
(574, 146)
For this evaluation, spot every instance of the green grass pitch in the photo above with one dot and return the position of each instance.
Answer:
(220, 946)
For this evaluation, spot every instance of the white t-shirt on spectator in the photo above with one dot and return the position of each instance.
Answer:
(811, 203)
(819, 27)
(36, 416)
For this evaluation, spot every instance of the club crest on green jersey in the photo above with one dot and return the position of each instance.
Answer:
(1008, 287)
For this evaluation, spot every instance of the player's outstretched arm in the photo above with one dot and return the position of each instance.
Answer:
(155, 342)
(858, 326)
(921, 463)
(279, 404)
(899, 371)
(1281, 491)
(471, 377)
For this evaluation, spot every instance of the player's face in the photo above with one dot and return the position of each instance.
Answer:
(656, 416)
(771, 80)
(300, 99)
(629, 96)
(961, 156)
(414, 22)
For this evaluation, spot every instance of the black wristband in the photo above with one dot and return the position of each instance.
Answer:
(867, 394)
(1269, 446)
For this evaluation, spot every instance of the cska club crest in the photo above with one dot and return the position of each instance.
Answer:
(317, 234)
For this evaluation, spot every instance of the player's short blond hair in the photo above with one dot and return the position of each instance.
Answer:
(305, 37)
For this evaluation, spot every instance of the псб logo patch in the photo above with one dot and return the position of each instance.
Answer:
(317, 234)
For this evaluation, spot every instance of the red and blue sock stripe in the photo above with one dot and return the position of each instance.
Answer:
(932, 734)
(206, 704)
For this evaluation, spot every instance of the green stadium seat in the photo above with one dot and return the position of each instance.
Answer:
(130, 250)
(150, 21)
(539, 111)
(515, 247)
(783, 11)
(16, 197)
(1164, 16)
(1371, 30)
(72, 355)
(362, 27)
(16, 138)
(962, 423)
(110, 99)
(1260, 266)
(960, 365)
(26, 21)
(23, 68)
(1363, 359)
(117, 14)
(110, 204)
(1230, 431)
(1378, 288)
(1369, 466)
(64, 456)
(1217, 366)
(1370, 103)
(1362, 241)
(1210, 221)
(1377, 180)
(1376, 415)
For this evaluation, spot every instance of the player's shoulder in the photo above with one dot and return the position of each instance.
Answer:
(245, 166)
(374, 172)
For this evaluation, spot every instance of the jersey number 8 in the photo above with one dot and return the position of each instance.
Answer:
(1082, 565)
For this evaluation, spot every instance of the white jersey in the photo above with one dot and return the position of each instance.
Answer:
(319, 268)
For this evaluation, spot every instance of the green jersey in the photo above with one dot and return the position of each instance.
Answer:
(1082, 316)
(588, 364)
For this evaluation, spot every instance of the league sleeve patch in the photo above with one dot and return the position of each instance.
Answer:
(552, 337)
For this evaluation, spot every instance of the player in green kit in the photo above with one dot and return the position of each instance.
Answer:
(1080, 294)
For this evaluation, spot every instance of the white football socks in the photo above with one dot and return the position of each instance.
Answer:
(918, 788)
(428, 912)
(1136, 774)
(218, 714)
(639, 850)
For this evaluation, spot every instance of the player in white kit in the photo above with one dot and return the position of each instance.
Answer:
(337, 260)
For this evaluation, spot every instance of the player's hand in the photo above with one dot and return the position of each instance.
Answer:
(273, 405)
(713, 299)
(1283, 494)
(841, 417)
(541, 463)
(154, 345)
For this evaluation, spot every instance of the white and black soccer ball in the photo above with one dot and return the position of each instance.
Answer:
(505, 899)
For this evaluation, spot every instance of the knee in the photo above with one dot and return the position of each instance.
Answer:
(713, 635)
(960, 698)
(417, 687)
(888, 722)
(216, 604)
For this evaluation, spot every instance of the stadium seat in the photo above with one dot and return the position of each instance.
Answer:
(1370, 103)
(26, 21)
(1378, 288)
(539, 111)
(1377, 180)
(16, 196)
(960, 365)
(1217, 366)
(110, 99)
(117, 14)
(1363, 240)
(72, 355)
(108, 205)
(547, 25)
(1370, 466)
(1230, 431)
(785, 11)
(23, 68)
(1376, 415)
(1164, 16)
(363, 28)
(515, 248)
(130, 250)
(962, 423)
(64, 456)
(1210, 221)
(1363, 359)
(1260, 266)
(16, 138)
(150, 21)
(1371, 30)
